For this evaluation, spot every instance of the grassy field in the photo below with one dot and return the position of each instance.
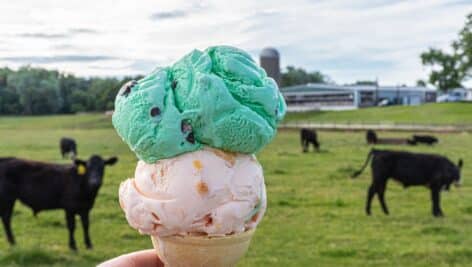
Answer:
(437, 113)
(315, 212)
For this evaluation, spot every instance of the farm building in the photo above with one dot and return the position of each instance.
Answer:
(336, 97)
(456, 94)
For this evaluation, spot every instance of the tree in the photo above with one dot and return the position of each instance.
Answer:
(449, 70)
(33, 91)
(295, 76)
(38, 90)
(420, 83)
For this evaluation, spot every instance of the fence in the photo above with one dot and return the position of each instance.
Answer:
(359, 126)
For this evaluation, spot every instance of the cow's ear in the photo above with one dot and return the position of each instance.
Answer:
(460, 163)
(111, 161)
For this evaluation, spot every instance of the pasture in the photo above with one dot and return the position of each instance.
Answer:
(433, 113)
(315, 213)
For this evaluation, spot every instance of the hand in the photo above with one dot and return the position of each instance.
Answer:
(143, 258)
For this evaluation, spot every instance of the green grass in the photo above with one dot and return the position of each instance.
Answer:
(437, 113)
(315, 213)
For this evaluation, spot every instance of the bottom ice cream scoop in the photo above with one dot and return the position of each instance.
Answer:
(203, 192)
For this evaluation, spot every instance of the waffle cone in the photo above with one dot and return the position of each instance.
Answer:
(199, 251)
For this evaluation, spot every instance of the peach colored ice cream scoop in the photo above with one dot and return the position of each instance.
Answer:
(207, 192)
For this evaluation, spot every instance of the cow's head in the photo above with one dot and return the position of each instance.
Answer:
(93, 169)
(457, 180)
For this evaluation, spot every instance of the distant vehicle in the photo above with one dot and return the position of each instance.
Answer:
(384, 102)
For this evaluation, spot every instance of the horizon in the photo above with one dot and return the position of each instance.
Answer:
(348, 42)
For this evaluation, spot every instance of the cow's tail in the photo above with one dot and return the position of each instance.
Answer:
(369, 156)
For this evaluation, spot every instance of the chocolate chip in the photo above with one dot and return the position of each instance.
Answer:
(125, 90)
(185, 126)
(190, 138)
(155, 111)
(173, 85)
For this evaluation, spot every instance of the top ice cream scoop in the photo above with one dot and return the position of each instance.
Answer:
(218, 97)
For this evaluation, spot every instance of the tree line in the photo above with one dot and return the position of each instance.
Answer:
(37, 91)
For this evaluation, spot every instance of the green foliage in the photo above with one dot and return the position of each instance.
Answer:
(35, 91)
(295, 76)
(449, 70)
(420, 83)
(315, 214)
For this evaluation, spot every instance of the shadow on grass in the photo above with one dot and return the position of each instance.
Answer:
(339, 253)
(468, 210)
(279, 171)
(54, 224)
(305, 202)
(439, 230)
(31, 257)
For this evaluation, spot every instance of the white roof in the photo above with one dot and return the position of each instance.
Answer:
(323, 86)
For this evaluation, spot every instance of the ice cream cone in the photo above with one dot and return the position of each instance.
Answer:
(199, 251)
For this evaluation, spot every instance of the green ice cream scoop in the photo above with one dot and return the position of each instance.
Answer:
(218, 97)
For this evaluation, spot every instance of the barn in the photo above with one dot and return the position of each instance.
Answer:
(314, 96)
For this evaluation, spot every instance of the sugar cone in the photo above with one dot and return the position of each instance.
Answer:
(199, 251)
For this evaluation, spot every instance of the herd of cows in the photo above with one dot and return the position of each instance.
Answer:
(410, 169)
(74, 187)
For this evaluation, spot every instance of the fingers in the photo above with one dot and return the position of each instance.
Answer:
(143, 258)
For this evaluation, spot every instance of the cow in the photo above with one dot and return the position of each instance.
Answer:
(68, 146)
(308, 137)
(410, 169)
(371, 137)
(423, 139)
(45, 186)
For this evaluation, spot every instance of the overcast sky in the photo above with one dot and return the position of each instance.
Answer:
(347, 40)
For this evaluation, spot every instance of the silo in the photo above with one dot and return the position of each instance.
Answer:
(269, 61)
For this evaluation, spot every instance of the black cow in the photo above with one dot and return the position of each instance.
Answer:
(308, 137)
(68, 146)
(45, 186)
(433, 171)
(371, 137)
(423, 139)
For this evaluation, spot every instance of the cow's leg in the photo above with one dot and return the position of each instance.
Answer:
(84, 217)
(370, 195)
(305, 145)
(435, 198)
(380, 188)
(70, 218)
(6, 212)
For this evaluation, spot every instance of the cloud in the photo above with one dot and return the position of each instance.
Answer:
(43, 35)
(56, 59)
(168, 15)
(71, 32)
(82, 30)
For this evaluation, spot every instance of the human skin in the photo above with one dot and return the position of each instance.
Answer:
(143, 258)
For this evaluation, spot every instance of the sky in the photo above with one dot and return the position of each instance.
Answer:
(348, 40)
